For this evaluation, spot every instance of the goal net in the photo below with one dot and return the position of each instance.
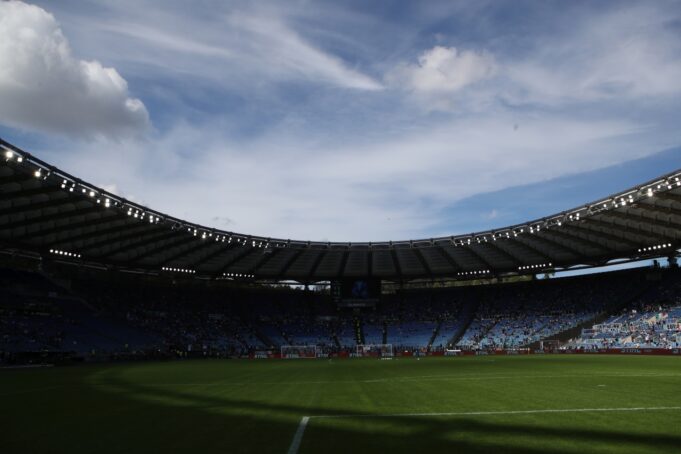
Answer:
(375, 350)
(298, 351)
(549, 344)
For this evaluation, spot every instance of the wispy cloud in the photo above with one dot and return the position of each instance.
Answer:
(233, 43)
(277, 187)
(491, 214)
(352, 125)
(624, 53)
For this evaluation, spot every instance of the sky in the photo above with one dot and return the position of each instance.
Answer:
(347, 120)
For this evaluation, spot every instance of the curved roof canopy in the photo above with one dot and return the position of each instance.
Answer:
(47, 211)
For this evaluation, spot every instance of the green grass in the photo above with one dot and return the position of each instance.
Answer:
(225, 406)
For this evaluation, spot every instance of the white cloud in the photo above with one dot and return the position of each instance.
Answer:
(44, 87)
(316, 162)
(354, 191)
(491, 214)
(627, 53)
(443, 70)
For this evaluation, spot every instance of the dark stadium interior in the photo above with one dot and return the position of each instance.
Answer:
(50, 212)
(98, 315)
(175, 329)
(308, 226)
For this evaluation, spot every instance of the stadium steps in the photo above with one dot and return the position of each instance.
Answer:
(385, 332)
(265, 339)
(359, 332)
(241, 340)
(489, 329)
(467, 316)
(613, 308)
(285, 336)
(436, 331)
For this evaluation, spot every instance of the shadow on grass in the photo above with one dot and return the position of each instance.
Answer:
(96, 411)
(214, 423)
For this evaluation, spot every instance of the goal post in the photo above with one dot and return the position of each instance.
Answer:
(298, 351)
(375, 350)
(549, 344)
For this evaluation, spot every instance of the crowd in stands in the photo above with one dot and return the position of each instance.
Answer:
(539, 310)
(107, 317)
(652, 320)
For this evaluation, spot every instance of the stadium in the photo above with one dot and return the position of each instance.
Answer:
(127, 328)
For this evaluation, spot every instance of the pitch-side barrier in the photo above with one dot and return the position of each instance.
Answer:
(267, 354)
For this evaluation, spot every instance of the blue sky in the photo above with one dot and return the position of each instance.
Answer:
(347, 121)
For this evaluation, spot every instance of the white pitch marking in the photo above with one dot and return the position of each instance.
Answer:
(298, 437)
(507, 412)
(410, 378)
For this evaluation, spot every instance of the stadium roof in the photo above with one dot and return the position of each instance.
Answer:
(46, 211)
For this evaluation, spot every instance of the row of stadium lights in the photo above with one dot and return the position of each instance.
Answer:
(228, 239)
(178, 270)
(242, 241)
(65, 253)
(133, 212)
(533, 267)
(653, 248)
(238, 275)
(617, 202)
(72, 186)
(511, 233)
(137, 214)
(473, 273)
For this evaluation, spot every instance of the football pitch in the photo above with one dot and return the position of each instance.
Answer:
(523, 404)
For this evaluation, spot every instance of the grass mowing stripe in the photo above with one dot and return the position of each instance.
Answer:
(190, 406)
(406, 379)
(31, 390)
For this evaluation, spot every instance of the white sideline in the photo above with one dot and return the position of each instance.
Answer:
(410, 378)
(298, 437)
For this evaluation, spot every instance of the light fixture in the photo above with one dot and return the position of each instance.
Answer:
(178, 270)
(67, 254)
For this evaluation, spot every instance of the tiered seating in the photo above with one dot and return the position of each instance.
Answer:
(447, 329)
(141, 314)
(651, 321)
(373, 332)
(411, 334)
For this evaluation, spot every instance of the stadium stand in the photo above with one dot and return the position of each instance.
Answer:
(100, 318)
(92, 275)
(651, 321)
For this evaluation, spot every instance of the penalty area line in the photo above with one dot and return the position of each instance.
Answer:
(298, 437)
